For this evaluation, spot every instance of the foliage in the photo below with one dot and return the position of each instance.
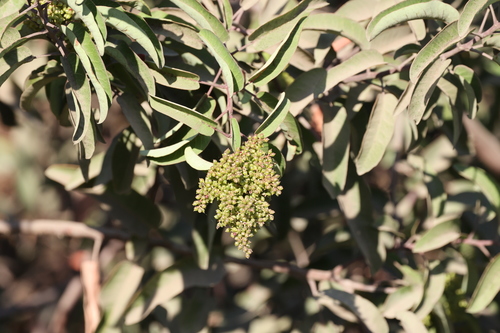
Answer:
(367, 121)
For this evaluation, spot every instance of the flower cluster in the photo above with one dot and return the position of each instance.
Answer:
(242, 182)
(57, 13)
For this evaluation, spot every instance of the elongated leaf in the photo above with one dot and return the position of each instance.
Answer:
(92, 63)
(411, 10)
(203, 17)
(437, 237)
(403, 299)
(235, 134)
(230, 70)
(13, 60)
(8, 7)
(443, 40)
(310, 85)
(247, 4)
(93, 20)
(175, 78)
(487, 288)
(378, 133)
(424, 89)
(365, 310)
(138, 119)
(470, 77)
(195, 161)
(198, 144)
(410, 322)
(197, 121)
(434, 290)
(12, 39)
(227, 12)
(471, 9)
(435, 188)
(336, 147)
(167, 150)
(80, 89)
(37, 80)
(280, 59)
(275, 30)
(339, 25)
(136, 29)
(117, 291)
(134, 65)
(274, 120)
(484, 181)
(165, 285)
(356, 204)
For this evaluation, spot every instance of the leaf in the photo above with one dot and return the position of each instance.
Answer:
(433, 291)
(280, 59)
(470, 77)
(175, 78)
(310, 85)
(437, 237)
(195, 161)
(167, 150)
(199, 143)
(37, 80)
(355, 202)
(444, 39)
(167, 284)
(365, 310)
(274, 120)
(133, 64)
(486, 183)
(93, 20)
(247, 4)
(117, 291)
(122, 156)
(405, 298)
(277, 29)
(12, 39)
(487, 288)
(235, 134)
(92, 63)
(227, 12)
(424, 89)
(13, 60)
(435, 188)
(410, 10)
(203, 17)
(80, 89)
(8, 7)
(336, 147)
(470, 10)
(378, 133)
(138, 119)
(410, 322)
(197, 121)
(136, 29)
(230, 70)
(333, 23)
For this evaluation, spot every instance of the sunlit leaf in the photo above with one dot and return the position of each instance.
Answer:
(275, 118)
(410, 322)
(12, 61)
(437, 237)
(471, 9)
(138, 119)
(37, 80)
(175, 78)
(235, 134)
(486, 183)
(487, 288)
(433, 291)
(195, 161)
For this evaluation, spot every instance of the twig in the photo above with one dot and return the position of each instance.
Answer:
(215, 81)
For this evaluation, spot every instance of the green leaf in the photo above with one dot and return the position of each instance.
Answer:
(117, 291)
(175, 78)
(8, 7)
(37, 80)
(424, 88)
(198, 144)
(55, 92)
(167, 150)
(336, 147)
(136, 29)
(276, 30)
(230, 70)
(487, 288)
(486, 183)
(410, 322)
(93, 20)
(134, 65)
(310, 85)
(13, 60)
(433, 291)
(410, 10)
(227, 13)
(274, 120)
(435, 188)
(378, 133)
(197, 121)
(138, 119)
(235, 134)
(92, 63)
(437, 237)
(356, 204)
(79, 106)
(405, 298)
(443, 40)
(12, 39)
(280, 59)
(122, 156)
(195, 161)
(203, 17)
(167, 284)
(471, 78)
(339, 25)
(365, 310)
(471, 9)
